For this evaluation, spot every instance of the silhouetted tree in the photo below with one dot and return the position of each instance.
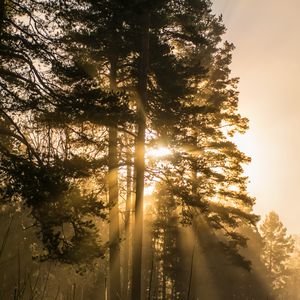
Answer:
(166, 263)
(37, 165)
(190, 100)
(292, 289)
(277, 249)
(85, 74)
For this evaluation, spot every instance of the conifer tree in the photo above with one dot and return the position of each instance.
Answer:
(277, 249)
(158, 67)
(167, 265)
(38, 166)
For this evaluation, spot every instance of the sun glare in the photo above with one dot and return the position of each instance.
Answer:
(149, 189)
(158, 152)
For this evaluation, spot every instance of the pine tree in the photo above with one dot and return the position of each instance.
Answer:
(292, 290)
(2, 14)
(38, 166)
(166, 265)
(277, 249)
(157, 67)
(192, 106)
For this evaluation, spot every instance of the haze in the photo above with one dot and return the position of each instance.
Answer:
(267, 39)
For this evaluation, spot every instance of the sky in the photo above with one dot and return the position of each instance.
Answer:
(267, 60)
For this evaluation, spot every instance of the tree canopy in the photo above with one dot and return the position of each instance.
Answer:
(87, 89)
(277, 249)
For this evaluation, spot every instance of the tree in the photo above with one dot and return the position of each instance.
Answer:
(158, 71)
(292, 290)
(277, 249)
(166, 263)
(98, 50)
(38, 166)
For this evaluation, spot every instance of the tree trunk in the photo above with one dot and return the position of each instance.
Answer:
(113, 189)
(2, 15)
(151, 276)
(140, 158)
(164, 281)
(191, 274)
(164, 285)
(127, 222)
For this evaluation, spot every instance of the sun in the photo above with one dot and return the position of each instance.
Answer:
(159, 152)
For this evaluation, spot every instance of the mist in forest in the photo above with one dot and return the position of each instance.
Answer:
(266, 38)
(122, 174)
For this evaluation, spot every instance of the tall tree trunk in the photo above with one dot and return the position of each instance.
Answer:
(191, 274)
(2, 15)
(151, 276)
(113, 189)
(127, 222)
(140, 158)
(164, 263)
(164, 285)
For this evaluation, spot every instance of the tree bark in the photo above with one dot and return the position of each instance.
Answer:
(113, 190)
(140, 157)
(2, 15)
(191, 273)
(127, 223)
(164, 277)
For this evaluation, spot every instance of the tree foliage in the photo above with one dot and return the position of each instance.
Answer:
(277, 249)
(83, 84)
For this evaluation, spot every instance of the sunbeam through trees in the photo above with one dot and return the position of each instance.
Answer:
(119, 175)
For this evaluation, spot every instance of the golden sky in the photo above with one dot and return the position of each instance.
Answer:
(266, 34)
